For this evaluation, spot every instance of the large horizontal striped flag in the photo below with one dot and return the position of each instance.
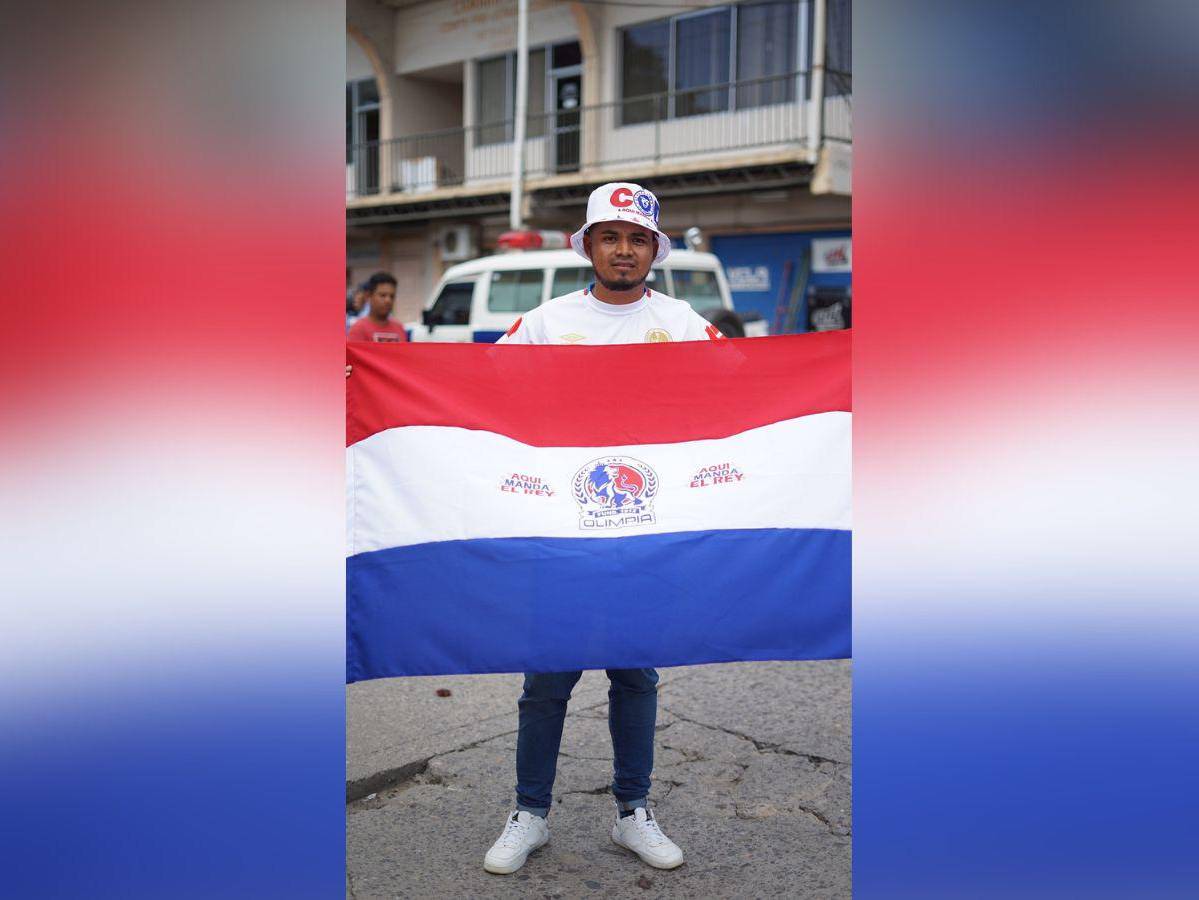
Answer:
(552, 508)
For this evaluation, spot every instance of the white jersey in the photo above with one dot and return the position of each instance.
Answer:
(582, 318)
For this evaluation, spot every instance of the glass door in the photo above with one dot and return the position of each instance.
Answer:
(362, 136)
(568, 99)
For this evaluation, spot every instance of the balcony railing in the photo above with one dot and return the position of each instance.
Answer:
(714, 121)
(838, 106)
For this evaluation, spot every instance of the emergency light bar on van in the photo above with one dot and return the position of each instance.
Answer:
(532, 240)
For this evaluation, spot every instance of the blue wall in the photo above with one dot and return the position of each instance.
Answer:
(772, 251)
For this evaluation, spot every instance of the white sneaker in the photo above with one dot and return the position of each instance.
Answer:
(523, 833)
(641, 834)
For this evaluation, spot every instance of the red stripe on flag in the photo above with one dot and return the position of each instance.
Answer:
(564, 396)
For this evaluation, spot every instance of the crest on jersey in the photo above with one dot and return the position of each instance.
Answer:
(615, 492)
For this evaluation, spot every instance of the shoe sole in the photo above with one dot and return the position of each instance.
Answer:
(512, 867)
(649, 862)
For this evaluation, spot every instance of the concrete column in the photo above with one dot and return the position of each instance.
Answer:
(816, 103)
(516, 211)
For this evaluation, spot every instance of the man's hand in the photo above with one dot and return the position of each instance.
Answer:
(348, 371)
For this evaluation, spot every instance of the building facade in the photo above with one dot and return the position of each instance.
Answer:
(736, 114)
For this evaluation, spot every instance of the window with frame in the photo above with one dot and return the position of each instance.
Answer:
(515, 290)
(495, 97)
(731, 57)
(362, 114)
(839, 54)
(645, 70)
(767, 43)
(362, 136)
(701, 59)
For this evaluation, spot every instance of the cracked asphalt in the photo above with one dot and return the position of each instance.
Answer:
(752, 778)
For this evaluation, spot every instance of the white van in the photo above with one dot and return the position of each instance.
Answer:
(479, 300)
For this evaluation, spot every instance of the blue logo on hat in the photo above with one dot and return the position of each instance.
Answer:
(646, 204)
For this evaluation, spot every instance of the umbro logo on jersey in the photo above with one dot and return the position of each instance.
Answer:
(573, 338)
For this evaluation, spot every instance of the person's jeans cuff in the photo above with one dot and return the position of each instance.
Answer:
(626, 805)
(542, 811)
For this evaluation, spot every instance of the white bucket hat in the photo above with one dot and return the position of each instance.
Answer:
(622, 201)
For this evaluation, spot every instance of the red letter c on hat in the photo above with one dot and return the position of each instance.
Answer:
(622, 197)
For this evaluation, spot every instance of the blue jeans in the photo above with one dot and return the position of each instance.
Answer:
(632, 711)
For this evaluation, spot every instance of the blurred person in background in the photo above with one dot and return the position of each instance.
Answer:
(356, 306)
(377, 325)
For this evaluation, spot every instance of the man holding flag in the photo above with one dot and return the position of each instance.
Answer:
(621, 239)
(548, 510)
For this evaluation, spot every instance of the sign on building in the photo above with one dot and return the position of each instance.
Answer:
(748, 278)
(832, 255)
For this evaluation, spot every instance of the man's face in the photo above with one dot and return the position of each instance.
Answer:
(621, 253)
(383, 299)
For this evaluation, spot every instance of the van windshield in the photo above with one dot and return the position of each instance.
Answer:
(453, 304)
(698, 287)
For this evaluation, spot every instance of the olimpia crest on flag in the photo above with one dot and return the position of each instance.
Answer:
(615, 492)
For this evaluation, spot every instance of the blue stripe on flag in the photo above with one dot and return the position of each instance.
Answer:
(558, 604)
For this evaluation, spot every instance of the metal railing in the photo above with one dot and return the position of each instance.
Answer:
(838, 106)
(715, 120)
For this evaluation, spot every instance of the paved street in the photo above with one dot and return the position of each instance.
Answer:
(752, 779)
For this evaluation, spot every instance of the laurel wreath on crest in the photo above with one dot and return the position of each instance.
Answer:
(579, 485)
(651, 483)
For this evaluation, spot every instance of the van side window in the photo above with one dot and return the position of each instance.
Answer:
(515, 291)
(453, 304)
(567, 281)
(698, 287)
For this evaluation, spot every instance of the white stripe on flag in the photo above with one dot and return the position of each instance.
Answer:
(418, 484)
